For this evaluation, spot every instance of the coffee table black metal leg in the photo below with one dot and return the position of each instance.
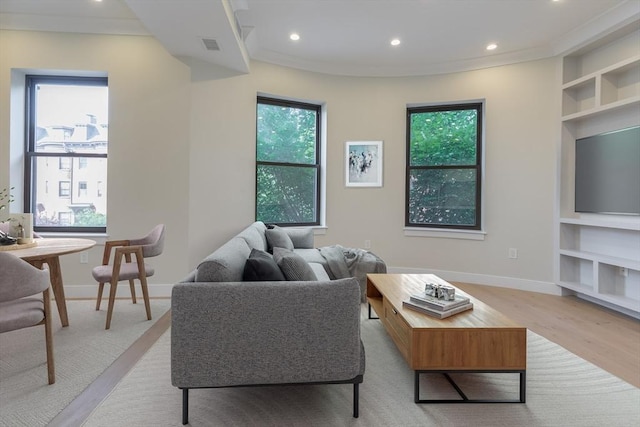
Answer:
(464, 398)
(370, 312)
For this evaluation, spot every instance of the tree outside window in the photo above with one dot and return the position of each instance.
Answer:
(443, 177)
(287, 162)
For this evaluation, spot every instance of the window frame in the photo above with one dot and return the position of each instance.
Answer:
(317, 165)
(478, 166)
(31, 155)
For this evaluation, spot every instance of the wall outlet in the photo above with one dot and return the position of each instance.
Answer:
(367, 244)
(513, 253)
(84, 257)
(624, 271)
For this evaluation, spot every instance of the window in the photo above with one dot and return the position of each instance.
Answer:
(444, 152)
(64, 189)
(67, 123)
(82, 189)
(287, 162)
(64, 163)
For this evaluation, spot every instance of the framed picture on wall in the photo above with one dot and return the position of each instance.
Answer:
(363, 163)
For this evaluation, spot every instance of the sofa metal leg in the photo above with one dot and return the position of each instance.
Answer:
(185, 406)
(356, 399)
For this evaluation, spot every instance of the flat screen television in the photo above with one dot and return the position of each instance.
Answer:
(608, 173)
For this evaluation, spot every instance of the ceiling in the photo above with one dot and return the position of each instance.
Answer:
(345, 37)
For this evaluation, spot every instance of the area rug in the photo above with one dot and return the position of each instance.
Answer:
(82, 351)
(562, 390)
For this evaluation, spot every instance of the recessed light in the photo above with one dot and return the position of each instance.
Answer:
(294, 36)
(492, 46)
(395, 42)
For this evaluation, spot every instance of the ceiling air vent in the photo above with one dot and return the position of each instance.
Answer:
(211, 44)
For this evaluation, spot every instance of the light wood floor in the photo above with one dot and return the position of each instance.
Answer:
(605, 338)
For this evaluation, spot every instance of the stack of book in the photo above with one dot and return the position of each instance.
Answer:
(436, 307)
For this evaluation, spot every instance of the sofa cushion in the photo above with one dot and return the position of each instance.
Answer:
(261, 266)
(277, 237)
(292, 265)
(311, 255)
(225, 264)
(302, 238)
(319, 271)
(254, 236)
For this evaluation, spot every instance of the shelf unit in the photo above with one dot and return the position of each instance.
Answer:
(598, 256)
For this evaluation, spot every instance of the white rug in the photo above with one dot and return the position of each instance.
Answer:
(82, 351)
(562, 390)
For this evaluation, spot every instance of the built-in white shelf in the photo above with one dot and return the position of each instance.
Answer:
(632, 223)
(598, 255)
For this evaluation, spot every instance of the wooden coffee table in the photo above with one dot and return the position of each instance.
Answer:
(480, 340)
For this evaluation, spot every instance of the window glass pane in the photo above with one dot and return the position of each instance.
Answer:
(80, 198)
(442, 197)
(286, 134)
(67, 145)
(71, 118)
(286, 194)
(443, 137)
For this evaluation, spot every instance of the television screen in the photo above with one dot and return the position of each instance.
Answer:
(608, 173)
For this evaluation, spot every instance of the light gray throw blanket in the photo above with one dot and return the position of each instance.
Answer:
(352, 262)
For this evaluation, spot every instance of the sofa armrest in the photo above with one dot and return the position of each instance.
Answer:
(244, 333)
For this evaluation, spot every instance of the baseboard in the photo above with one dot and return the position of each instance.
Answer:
(164, 290)
(91, 291)
(484, 279)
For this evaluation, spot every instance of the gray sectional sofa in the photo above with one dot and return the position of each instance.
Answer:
(245, 317)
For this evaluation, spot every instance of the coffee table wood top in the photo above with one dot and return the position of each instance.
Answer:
(481, 338)
(399, 287)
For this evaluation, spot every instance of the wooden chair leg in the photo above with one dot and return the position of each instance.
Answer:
(133, 291)
(99, 299)
(51, 367)
(112, 300)
(145, 296)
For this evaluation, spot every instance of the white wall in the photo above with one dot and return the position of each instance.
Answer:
(183, 152)
(148, 134)
(521, 132)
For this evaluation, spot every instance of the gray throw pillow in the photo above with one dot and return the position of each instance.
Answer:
(261, 266)
(278, 238)
(293, 265)
(302, 238)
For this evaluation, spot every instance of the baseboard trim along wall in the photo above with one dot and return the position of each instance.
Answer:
(484, 279)
(91, 291)
(164, 290)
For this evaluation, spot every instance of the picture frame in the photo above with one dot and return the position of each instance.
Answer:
(363, 163)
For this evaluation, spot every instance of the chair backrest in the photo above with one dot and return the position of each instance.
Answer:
(19, 278)
(153, 243)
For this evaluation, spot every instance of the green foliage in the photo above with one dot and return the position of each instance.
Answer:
(443, 138)
(5, 198)
(442, 197)
(89, 218)
(442, 178)
(286, 189)
(286, 194)
(286, 135)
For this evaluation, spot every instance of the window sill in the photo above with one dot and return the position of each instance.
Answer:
(445, 234)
